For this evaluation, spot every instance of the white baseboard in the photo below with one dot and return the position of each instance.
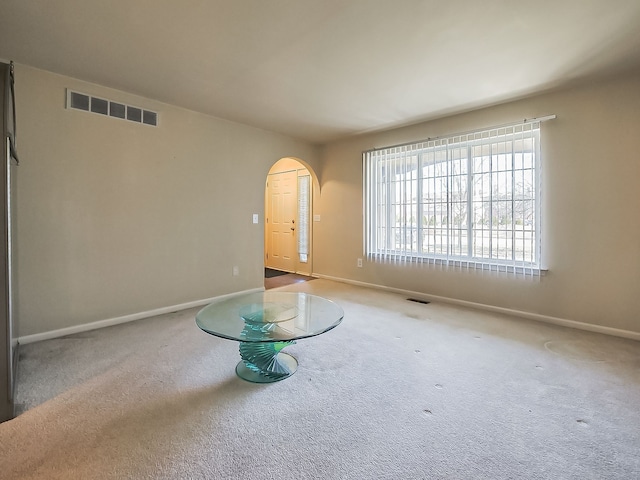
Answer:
(85, 327)
(481, 306)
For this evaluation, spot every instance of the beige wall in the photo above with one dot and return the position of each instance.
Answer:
(117, 218)
(591, 209)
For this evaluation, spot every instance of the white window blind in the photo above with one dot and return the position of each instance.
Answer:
(469, 200)
(304, 185)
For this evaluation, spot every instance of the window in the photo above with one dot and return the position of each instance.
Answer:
(470, 200)
(304, 207)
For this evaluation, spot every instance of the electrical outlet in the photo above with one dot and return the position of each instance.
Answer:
(359, 263)
(236, 271)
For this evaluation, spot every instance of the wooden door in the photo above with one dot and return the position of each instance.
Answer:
(280, 223)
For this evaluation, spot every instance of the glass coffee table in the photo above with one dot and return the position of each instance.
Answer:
(266, 322)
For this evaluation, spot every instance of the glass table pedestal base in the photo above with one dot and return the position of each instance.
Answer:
(263, 362)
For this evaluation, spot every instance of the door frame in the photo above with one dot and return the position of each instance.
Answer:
(288, 164)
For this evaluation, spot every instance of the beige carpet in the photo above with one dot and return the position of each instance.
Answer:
(399, 390)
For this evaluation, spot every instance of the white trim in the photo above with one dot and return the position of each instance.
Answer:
(616, 332)
(126, 318)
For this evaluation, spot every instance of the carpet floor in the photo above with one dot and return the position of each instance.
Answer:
(399, 390)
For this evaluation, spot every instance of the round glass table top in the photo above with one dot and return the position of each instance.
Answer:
(270, 316)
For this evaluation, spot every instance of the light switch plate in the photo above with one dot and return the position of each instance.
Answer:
(255, 218)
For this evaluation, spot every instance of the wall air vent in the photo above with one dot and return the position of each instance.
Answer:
(87, 103)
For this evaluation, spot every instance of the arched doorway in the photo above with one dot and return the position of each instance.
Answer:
(289, 193)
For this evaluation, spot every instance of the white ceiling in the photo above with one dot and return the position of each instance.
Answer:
(320, 70)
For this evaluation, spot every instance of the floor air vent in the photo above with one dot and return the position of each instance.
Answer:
(417, 300)
(101, 106)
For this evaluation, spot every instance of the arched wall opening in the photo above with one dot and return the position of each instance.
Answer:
(291, 190)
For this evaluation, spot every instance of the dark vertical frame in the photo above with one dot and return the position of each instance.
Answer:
(8, 326)
(6, 397)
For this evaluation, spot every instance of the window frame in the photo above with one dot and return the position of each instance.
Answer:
(385, 249)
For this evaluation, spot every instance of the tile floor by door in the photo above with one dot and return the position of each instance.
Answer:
(286, 279)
